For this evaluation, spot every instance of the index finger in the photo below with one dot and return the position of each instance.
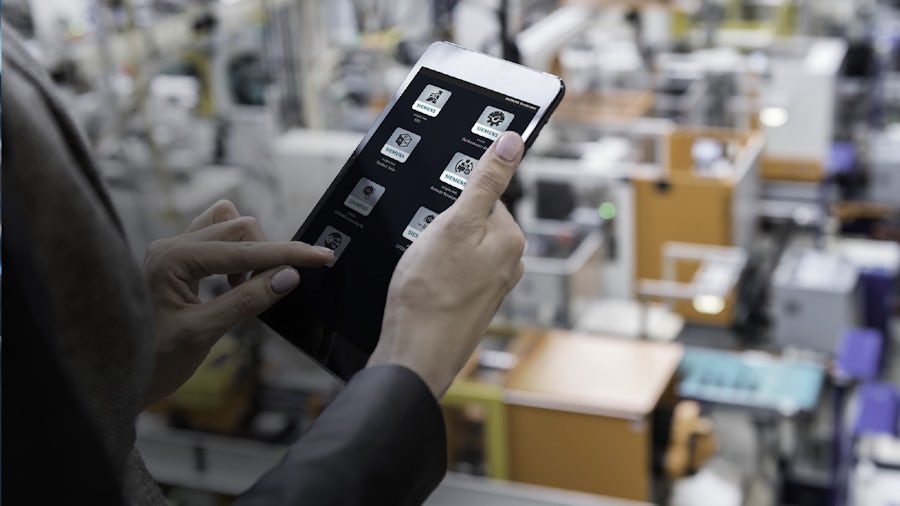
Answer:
(492, 175)
(212, 257)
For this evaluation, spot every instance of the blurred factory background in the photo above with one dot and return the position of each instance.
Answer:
(708, 314)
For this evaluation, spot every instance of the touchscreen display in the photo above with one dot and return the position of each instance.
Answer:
(414, 167)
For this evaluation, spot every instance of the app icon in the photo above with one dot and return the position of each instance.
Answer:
(457, 172)
(432, 100)
(420, 221)
(495, 118)
(492, 122)
(464, 167)
(403, 140)
(364, 196)
(400, 144)
(334, 240)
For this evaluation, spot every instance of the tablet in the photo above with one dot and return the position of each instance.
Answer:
(410, 166)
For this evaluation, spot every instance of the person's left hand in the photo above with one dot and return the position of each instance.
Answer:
(219, 241)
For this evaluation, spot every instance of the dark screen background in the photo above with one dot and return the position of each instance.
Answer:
(349, 297)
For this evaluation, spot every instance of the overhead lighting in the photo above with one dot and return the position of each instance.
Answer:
(709, 304)
(78, 28)
(773, 117)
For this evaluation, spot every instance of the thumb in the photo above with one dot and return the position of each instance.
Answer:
(494, 171)
(247, 300)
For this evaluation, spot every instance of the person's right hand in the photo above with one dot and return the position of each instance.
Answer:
(450, 283)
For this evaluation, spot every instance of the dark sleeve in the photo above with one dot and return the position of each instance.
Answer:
(77, 326)
(382, 441)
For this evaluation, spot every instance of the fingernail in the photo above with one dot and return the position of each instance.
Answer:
(323, 249)
(285, 280)
(508, 146)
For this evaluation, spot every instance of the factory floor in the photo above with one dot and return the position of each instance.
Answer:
(744, 469)
(747, 464)
(743, 472)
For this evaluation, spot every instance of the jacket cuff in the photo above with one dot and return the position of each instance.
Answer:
(381, 441)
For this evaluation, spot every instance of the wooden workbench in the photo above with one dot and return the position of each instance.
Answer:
(579, 409)
(578, 412)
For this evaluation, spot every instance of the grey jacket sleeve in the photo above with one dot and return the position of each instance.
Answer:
(78, 340)
(382, 441)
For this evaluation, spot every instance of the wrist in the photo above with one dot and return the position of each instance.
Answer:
(435, 386)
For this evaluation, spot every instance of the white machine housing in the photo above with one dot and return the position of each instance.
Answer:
(884, 157)
(815, 299)
(802, 87)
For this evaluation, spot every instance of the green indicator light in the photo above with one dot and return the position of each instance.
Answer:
(607, 210)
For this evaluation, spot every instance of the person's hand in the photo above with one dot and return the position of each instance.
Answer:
(449, 284)
(219, 241)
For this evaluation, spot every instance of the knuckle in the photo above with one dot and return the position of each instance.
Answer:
(225, 208)
(461, 226)
(516, 242)
(509, 270)
(156, 247)
(490, 181)
(247, 225)
(517, 275)
(247, 252)
(246, 301)
(509, 277)
(157, 252)
(161, 261)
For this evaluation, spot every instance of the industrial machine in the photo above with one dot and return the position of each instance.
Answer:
(691, 201)
(815, 299)
(562, 275)
(884, 166)
(875, 477)
(797, 108)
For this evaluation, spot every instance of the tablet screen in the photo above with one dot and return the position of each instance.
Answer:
(414, 166)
